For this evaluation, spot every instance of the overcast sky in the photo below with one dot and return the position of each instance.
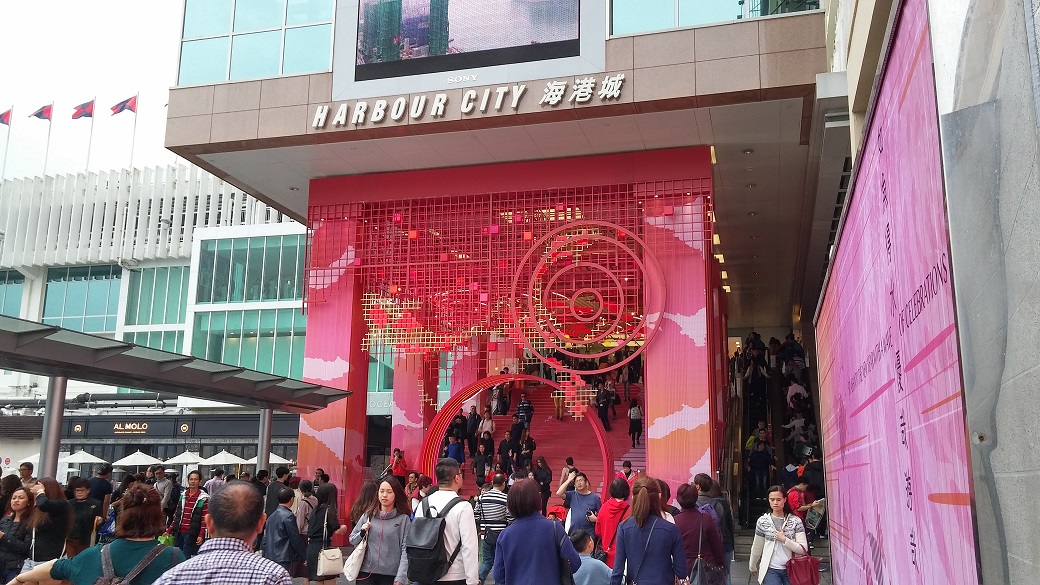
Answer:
(69, 52)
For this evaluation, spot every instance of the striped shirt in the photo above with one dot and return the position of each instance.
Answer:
(226, 560)
(491, 511)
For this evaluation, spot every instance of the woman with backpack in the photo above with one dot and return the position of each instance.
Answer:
(635, 421)
(779, 537)
(384, 524)
(136, 548)
(14, 533)
(649, 548)
(610, 516)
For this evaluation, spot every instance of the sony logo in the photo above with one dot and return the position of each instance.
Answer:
(462, 78)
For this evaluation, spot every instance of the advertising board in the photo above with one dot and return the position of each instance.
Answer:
(898, 477)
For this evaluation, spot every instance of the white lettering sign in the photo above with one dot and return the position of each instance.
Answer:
(583, 90)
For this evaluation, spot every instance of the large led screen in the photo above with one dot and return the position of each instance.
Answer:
(898, 477)
(409, 37)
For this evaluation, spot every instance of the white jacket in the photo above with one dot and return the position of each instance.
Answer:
(762, 548)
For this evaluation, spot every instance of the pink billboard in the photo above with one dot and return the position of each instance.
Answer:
(898, 475)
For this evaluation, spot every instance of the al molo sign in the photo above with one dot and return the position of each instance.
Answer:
(581, 91)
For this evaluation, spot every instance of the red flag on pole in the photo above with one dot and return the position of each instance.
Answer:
(84, 111)
(127, 104)
(43, 113)
(5, 118)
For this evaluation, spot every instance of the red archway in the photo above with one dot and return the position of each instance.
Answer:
(431, 445)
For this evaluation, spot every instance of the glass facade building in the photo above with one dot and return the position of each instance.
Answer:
(11, 284)
(232, 40)
(251, 269)
(266, 340)
(83, 298)
(641, 16)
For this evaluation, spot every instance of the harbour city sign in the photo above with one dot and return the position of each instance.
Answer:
(582, 91)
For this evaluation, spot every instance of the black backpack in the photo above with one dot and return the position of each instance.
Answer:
(428, 560)
(108, 574)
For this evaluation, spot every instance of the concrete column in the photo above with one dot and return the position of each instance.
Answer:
(52, 417)
(263, 448)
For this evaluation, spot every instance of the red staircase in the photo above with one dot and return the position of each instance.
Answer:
(556, 440)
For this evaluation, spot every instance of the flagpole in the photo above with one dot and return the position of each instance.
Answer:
(90, 141)
(7, 145)
(133, 139)
(47, 151)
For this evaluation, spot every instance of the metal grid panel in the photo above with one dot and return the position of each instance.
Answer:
(561, 272)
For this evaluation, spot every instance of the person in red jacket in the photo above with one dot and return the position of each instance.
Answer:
(398, 467)
(796, 498)
(613, 512)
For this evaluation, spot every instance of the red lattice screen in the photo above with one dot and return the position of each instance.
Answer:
(560, 272)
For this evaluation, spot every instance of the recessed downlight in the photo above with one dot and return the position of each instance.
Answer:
(294, 188)
(752, 213)
(749, 151)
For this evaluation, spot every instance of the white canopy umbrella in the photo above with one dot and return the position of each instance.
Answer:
(274, 460)
(137, 459)
(81, 457)
(224, 458)
(186, 458)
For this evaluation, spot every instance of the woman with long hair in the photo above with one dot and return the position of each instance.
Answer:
(50, 524)
(779, 536)
(635, 421)
(367, 498)
(323, 524)
(385, 524)
(14, 533)
(649, 548)
(140, 522)
(609, 518)
(528, 549)
(543, 475)
(8, 485)
(186, 527)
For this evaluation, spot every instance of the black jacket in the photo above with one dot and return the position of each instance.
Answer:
(14, 545)
(50, 536)
(813, 475)
(282, 540)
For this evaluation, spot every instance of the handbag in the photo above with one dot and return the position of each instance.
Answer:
(634, 580)
(566, 571)
(804, 570)
(352, 566)
(704, 573)
(330, 560)
(813, 518)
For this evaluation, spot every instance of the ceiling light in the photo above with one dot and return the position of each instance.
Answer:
(720, 258)
(750, 185)
(713, 161)
(725, 275)
(294, 188)
(716, 240)
(754, 237)
(748, 169)
(749, 150)
(727, 289)
(752, 213)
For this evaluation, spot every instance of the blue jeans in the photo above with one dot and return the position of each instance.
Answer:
(181, 541)
(487, 559)
(6, 576)
(776, 577)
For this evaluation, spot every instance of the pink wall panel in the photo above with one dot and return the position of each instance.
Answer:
(677, 374)
(898, 477)
(412, 409)
(334, 438)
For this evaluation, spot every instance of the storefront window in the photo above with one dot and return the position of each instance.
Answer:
(231, 40)
(11, 285)
(251, 269)
(157, 296)
(83, 298)
(267, 340)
